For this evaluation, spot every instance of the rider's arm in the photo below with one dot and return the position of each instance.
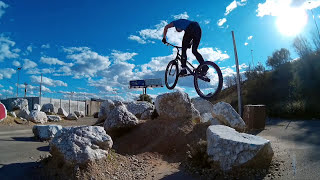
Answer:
(165, 30)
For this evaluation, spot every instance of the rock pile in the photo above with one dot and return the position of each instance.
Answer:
(45, 132)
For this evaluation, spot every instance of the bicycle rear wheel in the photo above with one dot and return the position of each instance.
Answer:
(209, 85)
(172, 74)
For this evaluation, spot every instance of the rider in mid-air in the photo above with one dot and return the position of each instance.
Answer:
(192, 33)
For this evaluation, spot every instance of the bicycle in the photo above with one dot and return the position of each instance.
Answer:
(206, 85)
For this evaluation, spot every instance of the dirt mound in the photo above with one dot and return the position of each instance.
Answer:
(161, 136)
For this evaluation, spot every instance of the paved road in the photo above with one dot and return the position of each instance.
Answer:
(298, 144)
(295, 142)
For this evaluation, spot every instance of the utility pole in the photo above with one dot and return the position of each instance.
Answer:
(18, 81)
(40, 90)
(252, 58)
(238, 75)
(25, 89)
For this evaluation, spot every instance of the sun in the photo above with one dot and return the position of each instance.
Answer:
(291, 21)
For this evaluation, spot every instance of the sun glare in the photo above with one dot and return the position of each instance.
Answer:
(292, 21)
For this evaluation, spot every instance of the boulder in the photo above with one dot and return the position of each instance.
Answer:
(207, 117)
(79, 145)
(176, 105)
(23, 113)
(120, 118)
(105, 109)
(45, 132)
(20, 104)
(146, 115)
(79, 113)
(225, 113)
(139, 107)
(37, 117)
(202, 105)
(49, 108)
(53, 118)
(36, 107)
(3, 112)
(62, 112)
(72, 116)
(228, 148)
(12, 114)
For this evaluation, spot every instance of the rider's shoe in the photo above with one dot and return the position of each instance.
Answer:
(183, 72)
(204, 70)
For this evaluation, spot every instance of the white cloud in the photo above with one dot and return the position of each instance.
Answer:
(51, 61)
(137, 38)
(210, 54)
(221, 21)
(121, 56)
(47, 81)
(6, 91)
(3, 6)
(246, 43)
(87, 63)
(7, 73)
(29, 48)
(232, 6)
(45, 46)
(29, 64)
(181, 16)
(41, 71)
(206, 21)
(276, 7)
(5, 45)
(16, 63)
(250, 37)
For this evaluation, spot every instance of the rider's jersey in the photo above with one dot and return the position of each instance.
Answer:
(181, 24)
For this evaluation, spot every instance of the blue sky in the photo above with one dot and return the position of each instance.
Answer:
(94, 48)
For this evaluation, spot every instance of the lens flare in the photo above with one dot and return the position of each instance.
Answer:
(292, 21)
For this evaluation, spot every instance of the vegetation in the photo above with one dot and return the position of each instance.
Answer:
(145, 97)
(290, 89)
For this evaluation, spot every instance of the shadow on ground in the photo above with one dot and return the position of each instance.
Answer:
(29, 170)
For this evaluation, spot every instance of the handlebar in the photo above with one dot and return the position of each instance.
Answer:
(168, 44)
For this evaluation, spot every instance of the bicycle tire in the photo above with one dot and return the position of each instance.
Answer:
(169, 67)
(198, 76)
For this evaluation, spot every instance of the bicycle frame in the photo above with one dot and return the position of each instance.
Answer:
(179, 57)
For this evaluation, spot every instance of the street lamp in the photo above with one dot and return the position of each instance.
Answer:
(18, 81)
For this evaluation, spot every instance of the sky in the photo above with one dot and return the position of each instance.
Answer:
(92, 49)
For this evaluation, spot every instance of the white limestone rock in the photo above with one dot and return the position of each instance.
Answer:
(36, 107)
(79, 113)
(139, 107)
(23, 113)
(49, 108)
(228, 148)
(225, 113)
(72, 116)
(202, 105)
(45, 132)
(146, 115)
(12, 114)
(176, 105)
(80, 145)
(20, 104)
(105, 109)
(37, 117)
(53, 118)
(120, 118)
(62, 112)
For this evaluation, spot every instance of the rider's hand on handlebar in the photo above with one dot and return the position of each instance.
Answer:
(164, 40)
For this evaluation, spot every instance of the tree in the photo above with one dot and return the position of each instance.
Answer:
(253, 73)
(302, 46)
(145, 97)
(278, 57)
(229, 81)
(316, 41)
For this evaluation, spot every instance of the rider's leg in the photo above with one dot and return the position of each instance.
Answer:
(185, 43)
(196, 41)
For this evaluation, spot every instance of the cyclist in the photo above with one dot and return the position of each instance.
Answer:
(192, 33)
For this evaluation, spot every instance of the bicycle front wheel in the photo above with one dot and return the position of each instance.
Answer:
(172, 74)
(210, 84)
